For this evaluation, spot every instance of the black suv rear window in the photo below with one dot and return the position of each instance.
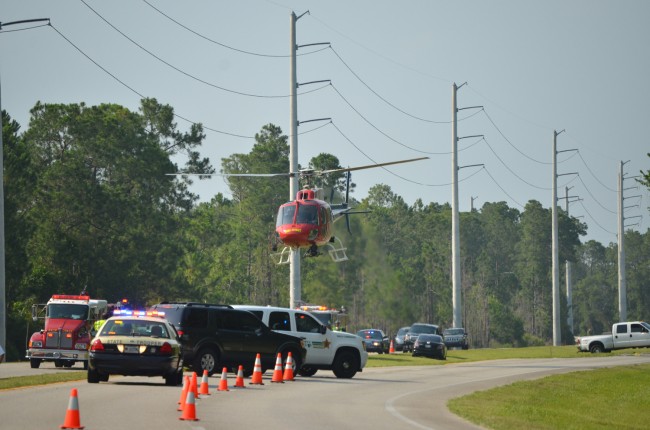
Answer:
(196, 318)
(238, 320)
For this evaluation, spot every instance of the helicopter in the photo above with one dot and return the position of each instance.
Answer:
(306, 222)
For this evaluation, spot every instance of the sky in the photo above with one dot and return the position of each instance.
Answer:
(524, 69)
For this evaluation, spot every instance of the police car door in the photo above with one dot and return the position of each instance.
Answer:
(317, 344)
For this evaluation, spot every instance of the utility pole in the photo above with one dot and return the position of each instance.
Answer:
(471, 204)
(557, 337)
(455, 218)
(557, 328)
(568, 274)
(295, 287)
(294, 257)
(622, 285)
(3, 292)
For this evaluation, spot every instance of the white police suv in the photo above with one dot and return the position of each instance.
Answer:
(343, 353)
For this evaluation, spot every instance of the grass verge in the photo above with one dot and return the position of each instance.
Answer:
(50, 378)
(594, 399)
(470, 355)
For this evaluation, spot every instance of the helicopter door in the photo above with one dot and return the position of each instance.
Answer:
(324, 224)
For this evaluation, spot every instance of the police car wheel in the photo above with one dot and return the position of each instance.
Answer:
(345, 365)
(174, 379)
(307, 371)
(93, 376)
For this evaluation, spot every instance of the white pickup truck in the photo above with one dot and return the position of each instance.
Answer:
(635, 334)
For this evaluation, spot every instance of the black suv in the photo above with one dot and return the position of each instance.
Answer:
(416, 329)
(217, 336)
(455, 337)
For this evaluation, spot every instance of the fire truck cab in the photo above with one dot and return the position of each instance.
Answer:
(334, 319)
(66, 335)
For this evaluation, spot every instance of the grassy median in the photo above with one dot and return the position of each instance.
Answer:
(612, 398)
(594, 399)
(50, 378)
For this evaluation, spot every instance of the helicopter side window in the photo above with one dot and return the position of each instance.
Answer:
(323, 216)
(285, 215)
(307, 214)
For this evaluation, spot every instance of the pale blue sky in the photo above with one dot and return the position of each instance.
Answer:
(536, 67)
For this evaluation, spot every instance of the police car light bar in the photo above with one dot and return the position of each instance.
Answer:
(129, 312)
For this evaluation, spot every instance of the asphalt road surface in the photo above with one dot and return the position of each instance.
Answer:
(378, 398)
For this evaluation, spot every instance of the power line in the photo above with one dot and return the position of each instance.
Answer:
(382, 98)
(512, 171)
(593, 197)
(501, 188)
(594, 219)
(124, 84)
(378, 54)
(594, 176)
(384, 133)
(509, 142)
(211, 40)
(380, 131)
(241, 93)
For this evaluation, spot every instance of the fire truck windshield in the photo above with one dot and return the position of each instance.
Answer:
(67, 311)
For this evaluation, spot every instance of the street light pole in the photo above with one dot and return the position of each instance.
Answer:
(3, 301)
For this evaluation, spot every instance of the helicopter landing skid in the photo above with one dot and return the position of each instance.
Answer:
(282, 257)
(337, 253)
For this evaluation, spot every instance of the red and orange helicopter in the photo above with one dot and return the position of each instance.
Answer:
(306, 222)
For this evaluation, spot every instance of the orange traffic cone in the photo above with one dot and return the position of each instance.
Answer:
(72, 420)
(277, 372)
(194, 387)
(186, 388)
(189, 411)
(239, 381)
(288, 369)
(204, 389)
(256, 379)
(391, 349)
(223, 384)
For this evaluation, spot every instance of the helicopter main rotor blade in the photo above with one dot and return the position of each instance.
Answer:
(259, 175)
(302, 173)
(370, 166)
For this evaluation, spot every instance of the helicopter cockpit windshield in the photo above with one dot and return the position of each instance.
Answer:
(307, 214)
(285, 214)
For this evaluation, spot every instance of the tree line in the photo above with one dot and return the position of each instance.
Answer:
(90, 205)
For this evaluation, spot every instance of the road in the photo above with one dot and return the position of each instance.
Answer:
(379, 398)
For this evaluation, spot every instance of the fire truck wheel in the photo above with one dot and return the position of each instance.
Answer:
(85, 365)
(35, 363)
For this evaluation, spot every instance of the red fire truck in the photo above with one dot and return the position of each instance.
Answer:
(334, 319)
(66, 335)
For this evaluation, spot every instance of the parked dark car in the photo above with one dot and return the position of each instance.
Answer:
(398, 339)
(430, 345)
(416, 330)
(216, 336)
(455, 338)
(375, 340)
